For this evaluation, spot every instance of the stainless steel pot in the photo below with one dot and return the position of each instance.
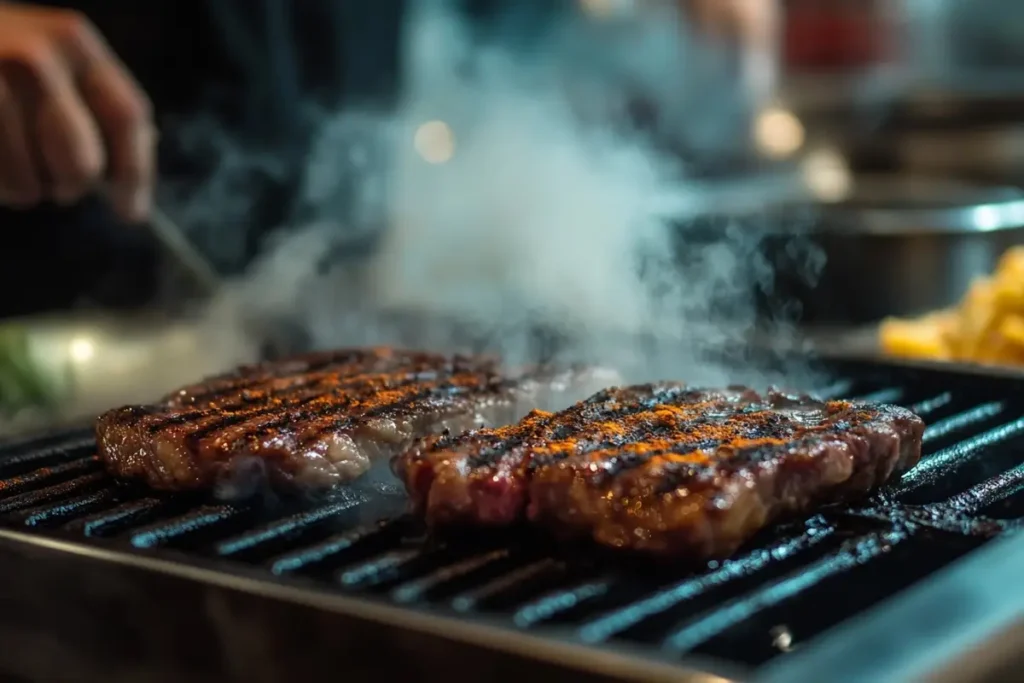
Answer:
(887, 246)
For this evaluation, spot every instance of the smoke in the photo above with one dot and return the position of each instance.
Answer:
(511, 203)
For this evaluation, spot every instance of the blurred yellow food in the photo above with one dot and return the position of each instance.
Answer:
(986, 327)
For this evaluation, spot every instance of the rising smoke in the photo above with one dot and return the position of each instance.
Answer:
(511, 193)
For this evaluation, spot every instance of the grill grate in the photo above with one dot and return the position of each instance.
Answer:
(787, 588)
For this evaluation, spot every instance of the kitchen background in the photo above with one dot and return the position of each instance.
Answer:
(862, 164)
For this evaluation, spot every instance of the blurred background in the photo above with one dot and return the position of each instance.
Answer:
(469, 173)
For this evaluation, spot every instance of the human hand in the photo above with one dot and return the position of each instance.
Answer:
(71, 116)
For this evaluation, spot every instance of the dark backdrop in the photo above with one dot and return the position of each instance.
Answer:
(233, 60)
(247, 64)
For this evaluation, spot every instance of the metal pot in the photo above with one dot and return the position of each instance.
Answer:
(885, 245)
(895, 246)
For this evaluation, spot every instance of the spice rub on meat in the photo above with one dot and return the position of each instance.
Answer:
(663, 469)
(319, 419)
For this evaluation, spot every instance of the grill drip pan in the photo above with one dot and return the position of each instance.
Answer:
(100, 581)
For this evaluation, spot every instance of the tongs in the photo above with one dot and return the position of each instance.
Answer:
(192, 262)
(278, 337)
(172, 240)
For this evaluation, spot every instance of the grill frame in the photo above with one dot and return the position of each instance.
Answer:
(439, 640)
(180, 595)
(510, 655)
(515, 653)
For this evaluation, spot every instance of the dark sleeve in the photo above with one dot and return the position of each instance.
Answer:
(57, 258)
(289, 55)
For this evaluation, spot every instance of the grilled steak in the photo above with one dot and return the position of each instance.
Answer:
(663, 469)
(315, 420)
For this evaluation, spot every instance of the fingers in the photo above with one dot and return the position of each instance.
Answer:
(123, 114)
(61, 136)
(70, 144)
(71, 116)
(20, 182)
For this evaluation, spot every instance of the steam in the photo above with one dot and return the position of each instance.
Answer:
(510, 202)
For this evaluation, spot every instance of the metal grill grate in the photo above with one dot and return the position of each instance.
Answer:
(788, 587)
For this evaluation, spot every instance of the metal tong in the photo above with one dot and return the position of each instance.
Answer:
(174, 242)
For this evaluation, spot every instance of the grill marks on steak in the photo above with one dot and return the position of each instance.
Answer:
(317, 420)
(307, 374)
(663, 469)
(482, 477)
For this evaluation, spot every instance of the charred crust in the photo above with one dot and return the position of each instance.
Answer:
(647, 448)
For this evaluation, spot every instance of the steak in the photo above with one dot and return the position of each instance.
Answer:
(319, 419)
(663, 469)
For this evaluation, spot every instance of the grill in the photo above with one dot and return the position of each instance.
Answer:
(103, 581)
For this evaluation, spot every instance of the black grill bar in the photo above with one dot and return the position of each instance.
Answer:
(928, 407)
(421, 588)
(704, 627)
(385, 568)
(46, 475)
(34, 461)
(539, 573)
(887, 395)
(961, 421)
(559, 602)
(989, 492)
(295, 524)
(335, 546)
(38, 448)
(946, 462)
(50, 513)
(914, 636)
(121, 516)
(968, 489)
(627, 617)
(39, 497)
(164, 532)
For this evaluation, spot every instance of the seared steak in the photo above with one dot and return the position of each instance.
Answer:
(663, 469)
(315, 420)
